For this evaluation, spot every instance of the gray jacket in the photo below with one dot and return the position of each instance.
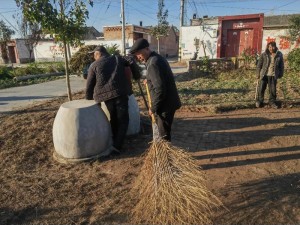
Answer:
(264, 63)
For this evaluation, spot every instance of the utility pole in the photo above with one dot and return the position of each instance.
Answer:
(123, 28)
(180, 28)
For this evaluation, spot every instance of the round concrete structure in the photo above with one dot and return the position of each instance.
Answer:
(134, 125)
(81, 132)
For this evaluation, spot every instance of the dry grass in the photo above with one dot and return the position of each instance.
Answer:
(172, 189)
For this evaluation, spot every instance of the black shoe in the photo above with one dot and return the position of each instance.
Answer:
(273, 105)
(114, 151)
(258, 104)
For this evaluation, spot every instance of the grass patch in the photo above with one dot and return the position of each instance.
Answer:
(7, 73)
(8, 83)
(230, 90)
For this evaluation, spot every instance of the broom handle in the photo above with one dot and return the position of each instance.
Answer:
(142, 93)
(150, 102)
(256, 90)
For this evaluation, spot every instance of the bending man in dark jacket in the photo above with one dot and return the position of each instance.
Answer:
(162, 87)
(270, 67)
(106, 82)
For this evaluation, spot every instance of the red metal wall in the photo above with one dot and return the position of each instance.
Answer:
(237, 33)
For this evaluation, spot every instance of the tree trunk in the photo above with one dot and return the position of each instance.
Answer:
(67, 71)
(69, 52)
(203, 45)
(158, 50)
(4, 52)
(30, 56)
(66, 54)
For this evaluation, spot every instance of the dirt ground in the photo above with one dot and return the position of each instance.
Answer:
(250, 159)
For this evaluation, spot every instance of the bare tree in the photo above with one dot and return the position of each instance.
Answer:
(162, 28)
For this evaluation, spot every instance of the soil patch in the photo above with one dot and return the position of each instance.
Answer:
(250, 159)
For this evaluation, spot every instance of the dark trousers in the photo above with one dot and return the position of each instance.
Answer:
(119, 119)
(164, 122)
(271, 82)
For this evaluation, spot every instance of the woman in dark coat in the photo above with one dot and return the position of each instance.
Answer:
(270, 67)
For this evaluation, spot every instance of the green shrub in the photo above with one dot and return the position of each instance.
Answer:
(30, 69)
(5, 73)
(250, 57)
(294, 59)
(54, 67)
(113, 49)
(82, 58)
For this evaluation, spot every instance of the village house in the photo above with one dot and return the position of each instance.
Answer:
(18, 51)
(230, 36)
(276, 28)
(168, 46)
(214, 37)
(200, 38)
(48, 50)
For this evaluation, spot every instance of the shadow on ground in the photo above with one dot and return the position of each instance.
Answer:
(258, 202)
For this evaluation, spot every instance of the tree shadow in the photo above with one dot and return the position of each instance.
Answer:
(204, 134)
(248, 152)
(28, 215)
(22, 98)
(30, 110)
(252, 161)
(187, 91)
(274, 200)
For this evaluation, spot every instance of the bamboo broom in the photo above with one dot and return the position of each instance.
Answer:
(171, 188)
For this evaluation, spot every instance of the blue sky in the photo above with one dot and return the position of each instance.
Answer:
(107, 12)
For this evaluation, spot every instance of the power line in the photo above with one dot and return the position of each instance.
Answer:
(282, 6)
(231, 7)
(17, 30)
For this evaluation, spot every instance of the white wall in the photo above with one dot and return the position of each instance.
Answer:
(206, 33)
(22, 51)
(48, 50)
(277, 35)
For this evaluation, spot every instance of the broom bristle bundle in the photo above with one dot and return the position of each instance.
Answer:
(172, 189)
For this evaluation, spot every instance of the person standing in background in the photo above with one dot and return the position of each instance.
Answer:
(270, 68)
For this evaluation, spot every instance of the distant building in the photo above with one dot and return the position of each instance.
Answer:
(239, 33)
(230, 36)
(92, 33)
(200, 38)
(48, 49)
(19, 51)
(168, 45)
(276, 28)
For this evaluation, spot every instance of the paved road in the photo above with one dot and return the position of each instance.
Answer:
(18, 97)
